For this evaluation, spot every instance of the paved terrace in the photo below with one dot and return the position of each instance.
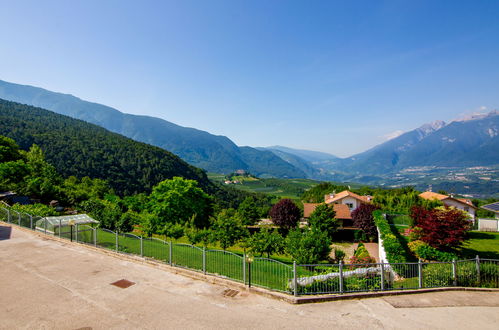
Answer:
(46, 284)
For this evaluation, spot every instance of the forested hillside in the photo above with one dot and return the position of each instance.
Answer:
(213, 153)
(81, 149)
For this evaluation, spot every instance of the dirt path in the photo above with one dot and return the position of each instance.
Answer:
(46, 284)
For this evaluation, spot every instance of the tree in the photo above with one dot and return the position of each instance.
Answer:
(442, 227)
(308, 246)
(228, 228)
(249, 211)
(323, 219)
(9, 150)
(267, 241)
(178, 200)
(363, 218)
(285, 214)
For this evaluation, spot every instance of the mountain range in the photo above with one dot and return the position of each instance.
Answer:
(468, 142)
(213, 153)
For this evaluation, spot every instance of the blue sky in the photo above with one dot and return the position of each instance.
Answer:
(333, 76)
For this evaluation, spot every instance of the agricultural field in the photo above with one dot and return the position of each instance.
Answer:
(283, 188)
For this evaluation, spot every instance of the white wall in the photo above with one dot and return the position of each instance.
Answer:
(347, 200)
(460, 206)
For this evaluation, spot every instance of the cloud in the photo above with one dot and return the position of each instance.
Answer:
(393, 135)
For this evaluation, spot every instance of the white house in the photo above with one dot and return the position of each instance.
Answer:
(347, 198)
(459, 203)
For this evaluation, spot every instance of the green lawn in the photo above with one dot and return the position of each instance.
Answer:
(484, 244)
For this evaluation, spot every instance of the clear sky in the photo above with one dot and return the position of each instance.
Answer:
(334, 76)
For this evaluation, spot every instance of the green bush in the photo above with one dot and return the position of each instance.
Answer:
(395, 251)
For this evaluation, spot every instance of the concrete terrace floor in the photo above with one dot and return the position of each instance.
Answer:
(47, 284)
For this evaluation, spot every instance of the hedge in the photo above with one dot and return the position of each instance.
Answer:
(395, 250)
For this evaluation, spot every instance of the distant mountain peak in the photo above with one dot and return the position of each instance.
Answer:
(477, 115)
(432, 127)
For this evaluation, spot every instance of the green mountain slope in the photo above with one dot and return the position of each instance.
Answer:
(78, 148)
(199, 148)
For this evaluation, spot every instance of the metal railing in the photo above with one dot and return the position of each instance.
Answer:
(311, 279)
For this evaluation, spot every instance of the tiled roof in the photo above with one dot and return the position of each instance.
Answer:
(346, 193)
(430, 195)
(342, 210)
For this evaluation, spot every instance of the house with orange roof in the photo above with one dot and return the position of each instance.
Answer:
(459, 203)
(348, 198)
(342, 213)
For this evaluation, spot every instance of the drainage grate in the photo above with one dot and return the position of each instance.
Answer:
(123, 283)
(230, 293)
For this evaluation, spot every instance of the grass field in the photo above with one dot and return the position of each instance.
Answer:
(484, 244)
(264, 272)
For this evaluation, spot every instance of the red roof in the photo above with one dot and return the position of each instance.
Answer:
(342, 210)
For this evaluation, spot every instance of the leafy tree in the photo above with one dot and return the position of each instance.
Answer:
(178, 200)
(363, 218)
(285, 214)
(173, 230)
(323, 219)
(401, 200)
(37, 209)
(443, 227)
(9, 150)
(266, 241)
(75, 190)
(228, 228)
(150, 223)
(308, 246)
(199, 236)
(107, 213)
(12, 174)
(316, 193)
(249, 211)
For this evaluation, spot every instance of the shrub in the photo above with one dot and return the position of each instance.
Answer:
(414, 233)
(285, 214)
(442, 228)
(363, 218)
(393, 247)
(361, 251)
(364, 259)
(308, 246)
(323, 219)
(427, 252)
(339, 255)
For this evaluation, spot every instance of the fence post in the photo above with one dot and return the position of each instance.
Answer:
(19, 219)
(60, 227)
(170, 253)
(76, 234)
(204, 260)
(95, 237)
(116, 240)
(141, 246)
(478, 269)
(45, 226)
(382, 276)
(31, 222)
(8, 215)
(420, 274)
(454, 271)
(244, 268)
(341, 276)
(295, 282)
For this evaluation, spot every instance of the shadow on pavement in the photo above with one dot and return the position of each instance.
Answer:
(5, 232)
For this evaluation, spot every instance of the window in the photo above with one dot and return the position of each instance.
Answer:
(350, 205)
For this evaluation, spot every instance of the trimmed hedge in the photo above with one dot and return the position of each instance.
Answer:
(395, 250)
